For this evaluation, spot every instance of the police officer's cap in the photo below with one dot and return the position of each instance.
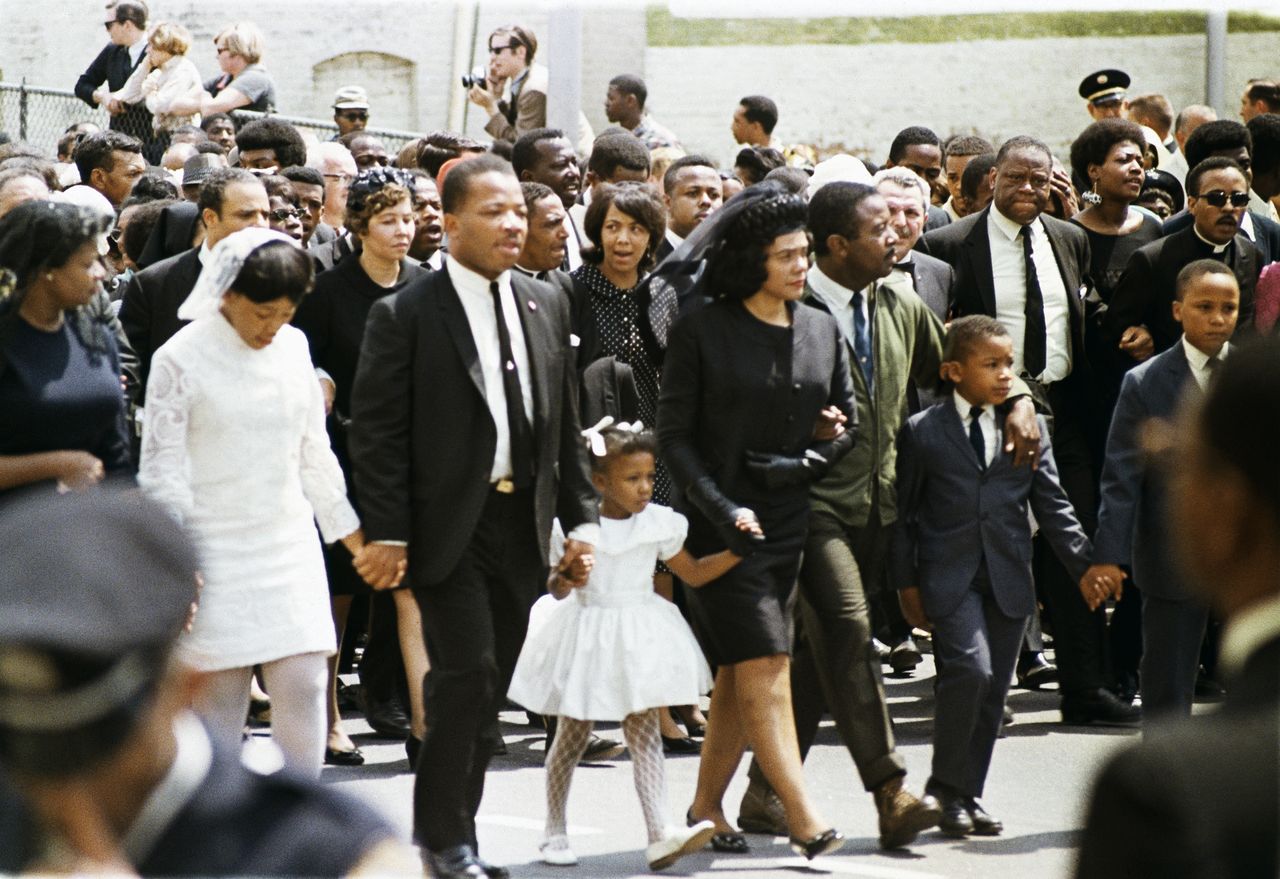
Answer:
(1104, 86)
(95, 588)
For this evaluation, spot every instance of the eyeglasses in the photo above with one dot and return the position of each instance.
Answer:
(498, 50)
(108, 25)
(354, 115)
(341, 178)
(1218, 198)
(280, 215)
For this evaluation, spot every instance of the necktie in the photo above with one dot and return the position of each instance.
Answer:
(517, 423)
(1033, 349)
(976, 439)
(1211, 367)
(862, 341)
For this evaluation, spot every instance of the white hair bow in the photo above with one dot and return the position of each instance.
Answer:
(595, 433)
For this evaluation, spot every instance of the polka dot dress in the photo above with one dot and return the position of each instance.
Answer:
(616, 316)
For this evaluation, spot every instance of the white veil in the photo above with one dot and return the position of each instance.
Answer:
(219, 273)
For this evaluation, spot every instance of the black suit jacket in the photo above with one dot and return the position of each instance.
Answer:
(581, 319)
(422, 438)
(113, 67)
(966, 246)
(934, 282)
(1197, 799)
(149, 307)
(1144, 293)
(1266, 233)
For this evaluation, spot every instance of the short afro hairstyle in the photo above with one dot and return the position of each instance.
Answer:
(1215, 163)
(739, 268)
(524, 154)
(613, 151)
(1095, 143)
(1264, 130)
(457, 183)
(833, 210)
(967, 145)
(916, 135)
(673, 170)
(1219, 136)
(272, 134)
(630, 84)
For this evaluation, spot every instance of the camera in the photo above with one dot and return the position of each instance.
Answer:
(477, 77)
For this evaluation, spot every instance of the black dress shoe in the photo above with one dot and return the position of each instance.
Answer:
(1100, 707)
(1034, 671)
(824, 843)
(459, 862)
(334, 757)
(905, 657)
(955, 821)
(387, 719)
(983, 824)
(601, 749)
(682, 745)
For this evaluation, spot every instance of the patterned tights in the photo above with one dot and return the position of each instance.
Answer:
(641, 733)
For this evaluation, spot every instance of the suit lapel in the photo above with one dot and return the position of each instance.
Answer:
(978, 244)
(1174, 374)
(458, 328)
(538, 342)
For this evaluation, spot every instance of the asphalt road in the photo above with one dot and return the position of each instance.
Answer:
(1039, 785)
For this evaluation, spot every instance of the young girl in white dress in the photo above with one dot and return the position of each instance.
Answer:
(614, 650)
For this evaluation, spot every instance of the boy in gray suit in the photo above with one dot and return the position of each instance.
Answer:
(962, 557)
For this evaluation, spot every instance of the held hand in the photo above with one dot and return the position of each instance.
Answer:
(577, 562)
(483, 99)
(76, 471)
(913, 608)
(382, 566)
(1101, 582)
(1137, 343)
(1022, 434)
(746, 521)
(328, 389)
(830, 424)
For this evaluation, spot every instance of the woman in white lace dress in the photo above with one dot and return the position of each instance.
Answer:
(234, 443)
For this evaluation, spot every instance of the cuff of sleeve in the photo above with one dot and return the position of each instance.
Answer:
(389, 542)
(324, 376)
(587, 532)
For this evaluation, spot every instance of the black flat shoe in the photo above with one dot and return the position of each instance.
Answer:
(684, 745)
(725, 842)
(334, 757)
(824, 843)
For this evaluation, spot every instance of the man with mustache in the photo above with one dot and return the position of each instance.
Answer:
(1218, 193)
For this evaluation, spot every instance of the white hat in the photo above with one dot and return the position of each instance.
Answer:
(842, 168)
(88, 197)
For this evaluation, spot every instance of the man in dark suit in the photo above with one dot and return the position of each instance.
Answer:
(126, 24)
(691, 191)
(1143, 299)
(465, 440)
(1027, 270)
(1131, 519)
(1199, 797)
(231, 199)
(1227, 138)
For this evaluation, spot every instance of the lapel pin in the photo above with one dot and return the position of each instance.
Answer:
(533, 306)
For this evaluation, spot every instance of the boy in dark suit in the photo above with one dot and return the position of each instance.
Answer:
(962, 557)
(1132, 527)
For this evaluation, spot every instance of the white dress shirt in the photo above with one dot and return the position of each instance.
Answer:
(477, 302)
(1217, 248)
(1009, 274)
(986, 421)
(839, 301)
(674, 240)
(574, 218)
(1199, 361)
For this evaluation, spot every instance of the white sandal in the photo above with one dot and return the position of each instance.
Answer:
(556, 852)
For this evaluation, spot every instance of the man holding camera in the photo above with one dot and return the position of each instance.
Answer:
(511, 51)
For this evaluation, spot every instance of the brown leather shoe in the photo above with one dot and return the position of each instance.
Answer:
(902, 815)
(761, 811)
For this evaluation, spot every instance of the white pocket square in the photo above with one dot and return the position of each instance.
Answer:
(574, 341)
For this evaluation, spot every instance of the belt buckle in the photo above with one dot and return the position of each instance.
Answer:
(504, 486)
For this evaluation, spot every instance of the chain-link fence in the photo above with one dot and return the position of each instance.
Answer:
(40, 116)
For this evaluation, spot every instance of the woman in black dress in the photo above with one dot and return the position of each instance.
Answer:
(1108, 157)
(746, 381)
(380, 215)
(62, 409)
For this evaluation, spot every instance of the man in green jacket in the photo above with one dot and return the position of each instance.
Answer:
(894, 339)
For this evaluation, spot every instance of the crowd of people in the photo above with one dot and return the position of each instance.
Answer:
(762, 433)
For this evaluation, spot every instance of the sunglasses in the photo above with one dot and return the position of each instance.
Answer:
(354, 115)
(109, 24)
(280, 215)
(498, 50)
(1218, 198)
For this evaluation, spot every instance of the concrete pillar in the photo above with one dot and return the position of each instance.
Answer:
(564, 64)
(1215, 73)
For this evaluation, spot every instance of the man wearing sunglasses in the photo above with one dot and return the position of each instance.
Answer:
(126, 26)
(350, 109)
(511, 51)
(1217, 196)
